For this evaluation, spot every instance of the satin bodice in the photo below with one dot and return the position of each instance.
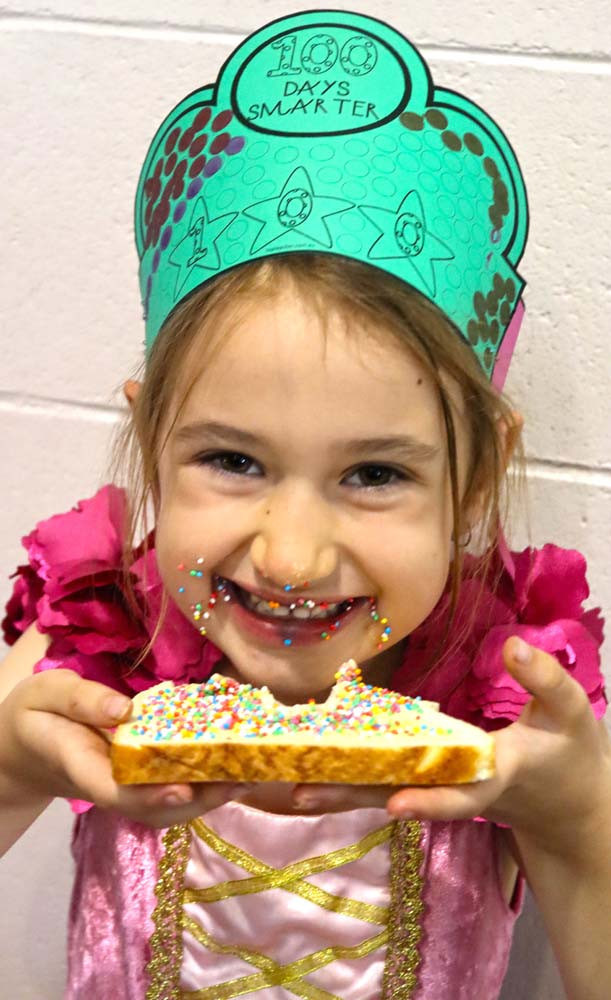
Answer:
(320, 883)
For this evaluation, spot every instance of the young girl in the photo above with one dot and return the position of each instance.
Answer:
(328, 249)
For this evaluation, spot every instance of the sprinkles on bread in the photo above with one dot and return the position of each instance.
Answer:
(221, 707)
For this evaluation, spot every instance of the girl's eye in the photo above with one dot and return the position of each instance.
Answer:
(375, 477)
(232, 463)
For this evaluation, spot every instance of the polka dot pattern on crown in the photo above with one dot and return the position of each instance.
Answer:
(175, 176)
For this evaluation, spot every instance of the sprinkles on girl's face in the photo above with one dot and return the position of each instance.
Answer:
(374, 614)
(197, 609)
(222, 706)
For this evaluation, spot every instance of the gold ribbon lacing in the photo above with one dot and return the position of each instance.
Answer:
(400, 922)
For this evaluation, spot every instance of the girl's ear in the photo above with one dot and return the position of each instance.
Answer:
(131, 388)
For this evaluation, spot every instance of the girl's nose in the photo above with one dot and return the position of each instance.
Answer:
(294, 541)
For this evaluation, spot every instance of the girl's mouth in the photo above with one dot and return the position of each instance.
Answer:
(289, 620)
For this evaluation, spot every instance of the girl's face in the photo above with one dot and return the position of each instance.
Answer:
(316, 460)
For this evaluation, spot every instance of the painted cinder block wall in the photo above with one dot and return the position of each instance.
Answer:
(84, 85)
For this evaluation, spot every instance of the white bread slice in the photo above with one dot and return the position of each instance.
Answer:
(225, 731)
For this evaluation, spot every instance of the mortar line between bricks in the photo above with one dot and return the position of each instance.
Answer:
(49, 406)
(575, 62)
(584, 475)
(559, 463)
(119, 28)
(18, 402)
(579, 62)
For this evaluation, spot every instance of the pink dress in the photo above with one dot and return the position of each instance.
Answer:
(232, 904)
(431, 925)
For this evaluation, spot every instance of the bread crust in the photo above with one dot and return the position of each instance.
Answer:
(266, 760)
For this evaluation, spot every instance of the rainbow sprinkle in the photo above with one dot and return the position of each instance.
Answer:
(222, 706)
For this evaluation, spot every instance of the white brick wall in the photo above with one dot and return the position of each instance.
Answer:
(84, 86)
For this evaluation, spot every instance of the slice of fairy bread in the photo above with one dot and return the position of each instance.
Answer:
(225, 731)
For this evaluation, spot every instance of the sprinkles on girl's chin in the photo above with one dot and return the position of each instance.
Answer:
(375, 616)
(222, 706)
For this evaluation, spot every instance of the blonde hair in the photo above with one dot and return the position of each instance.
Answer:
(355, 290)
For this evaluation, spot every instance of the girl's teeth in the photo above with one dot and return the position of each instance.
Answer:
(304, 611)
(280, 612)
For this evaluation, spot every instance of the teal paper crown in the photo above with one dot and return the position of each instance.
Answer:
(324, 133)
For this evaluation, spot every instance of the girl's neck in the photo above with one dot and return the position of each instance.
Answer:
(381, 669)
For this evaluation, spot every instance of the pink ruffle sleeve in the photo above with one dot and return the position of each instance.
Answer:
(73, 587)
(537, 594)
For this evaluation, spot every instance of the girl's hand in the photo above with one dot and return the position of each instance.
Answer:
(553, 766)
(50, 746)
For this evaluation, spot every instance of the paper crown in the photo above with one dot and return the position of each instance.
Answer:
(324, 133)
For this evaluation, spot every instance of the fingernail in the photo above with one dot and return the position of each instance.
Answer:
(401, 813)
(308, 800)
(522, 652)
(175, 799)
(238, 791)
(397, 810)
(116, 706)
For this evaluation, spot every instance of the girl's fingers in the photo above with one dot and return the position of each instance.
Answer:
(546, 679)
(340, 798)
(169, 804)
(442, 802)
(63, 692)
(86, 761)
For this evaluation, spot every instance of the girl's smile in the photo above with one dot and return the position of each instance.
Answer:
(308, 468)
(284, 620)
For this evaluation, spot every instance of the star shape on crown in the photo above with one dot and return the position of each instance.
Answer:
(297, 209)
(404, 235)
(198, 248)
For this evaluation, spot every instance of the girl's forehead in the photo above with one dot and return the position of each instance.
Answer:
(286, 356)
(286, 336)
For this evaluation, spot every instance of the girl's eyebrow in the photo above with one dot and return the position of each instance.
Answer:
(403, 445)
(212, 430)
